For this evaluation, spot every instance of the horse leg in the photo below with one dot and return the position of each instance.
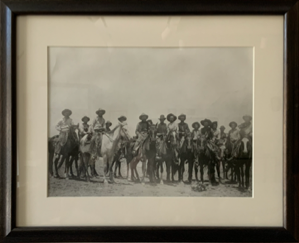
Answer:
(201, 172)
(56, 175)
(242, 175)
(50, 163)
(168, 166)
(105, 168)
(247, 172)
(67, 166)
(110, 169)
(190, 170)
(115, 167)
(144, 171)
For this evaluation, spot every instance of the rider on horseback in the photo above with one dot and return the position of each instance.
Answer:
(63, 127)
(97, 128)
(246, 128)
(183, 129)
(84, 127)
(233, 138)
(161, 134)
(108, 125)
(141, 133)
(195, 135)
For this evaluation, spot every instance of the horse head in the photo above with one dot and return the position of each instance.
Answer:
(188, 140)
(246, 147)
(173, 138)
(123, 131)
(153, 132)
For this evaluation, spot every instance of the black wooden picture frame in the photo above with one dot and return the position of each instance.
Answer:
(10, 9)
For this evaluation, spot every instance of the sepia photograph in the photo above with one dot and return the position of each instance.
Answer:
(150, 121)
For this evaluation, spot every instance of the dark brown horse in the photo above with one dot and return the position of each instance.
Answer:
(151, 153)
(206, 158)
(172, 155)
(69, 152)
(243, 159)
(186, 155)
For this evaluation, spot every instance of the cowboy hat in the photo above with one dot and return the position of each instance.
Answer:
(182, 116)
(231, 123)
(143, 115)
(222, 127)
(65, 111)
(206, 120)
(109, 122)
(215, 122)
(169, 115)
(150, 122)
(85, 118)
(247, 117)
(162, 117)
(122, 118)
(195, 123)
(100, 111)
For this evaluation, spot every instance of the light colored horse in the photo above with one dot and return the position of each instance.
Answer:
(109, 147)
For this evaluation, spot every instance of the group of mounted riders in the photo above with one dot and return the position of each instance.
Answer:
(173, 144)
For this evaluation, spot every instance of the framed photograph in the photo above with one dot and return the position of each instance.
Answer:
(149, 121)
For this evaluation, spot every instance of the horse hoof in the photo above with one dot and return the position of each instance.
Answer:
(105, 182)
(67, 178)
(161, 182)
(143, 183)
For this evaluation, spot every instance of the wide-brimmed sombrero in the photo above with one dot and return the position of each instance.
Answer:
(162, 117)
(122, 118)
(182, 116)
(150, 122)
(109, 122)
(143, 115)
(247, 117)
(85, 118)
(231, 123)
(169, 115)
(222, 127)
(100, 111)
(66, 112)
(195, 123)
(215, 122)
(206, 120)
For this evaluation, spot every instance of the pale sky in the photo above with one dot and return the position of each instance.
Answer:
(213, 83)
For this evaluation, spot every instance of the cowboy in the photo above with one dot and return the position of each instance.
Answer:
(141, 132)
(183, 126)
(246, 127)
(96, 141)
(162, 127)
(63, 127)
(206, 130)
(108, 124)
(215, 131)
(122, 119)
(233, 136)
(195, 135)
(172, 126)
(222, 136)
(99, 120)
(84, 127)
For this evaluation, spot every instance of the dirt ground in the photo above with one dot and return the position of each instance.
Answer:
(74, 187)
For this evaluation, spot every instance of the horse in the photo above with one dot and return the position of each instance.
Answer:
(243, 158)
(109, 148)
(151, 152)
(120, 154)
(69, 152)
(186, 154)
(172, 155)
(51, 149)
(206, 157)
